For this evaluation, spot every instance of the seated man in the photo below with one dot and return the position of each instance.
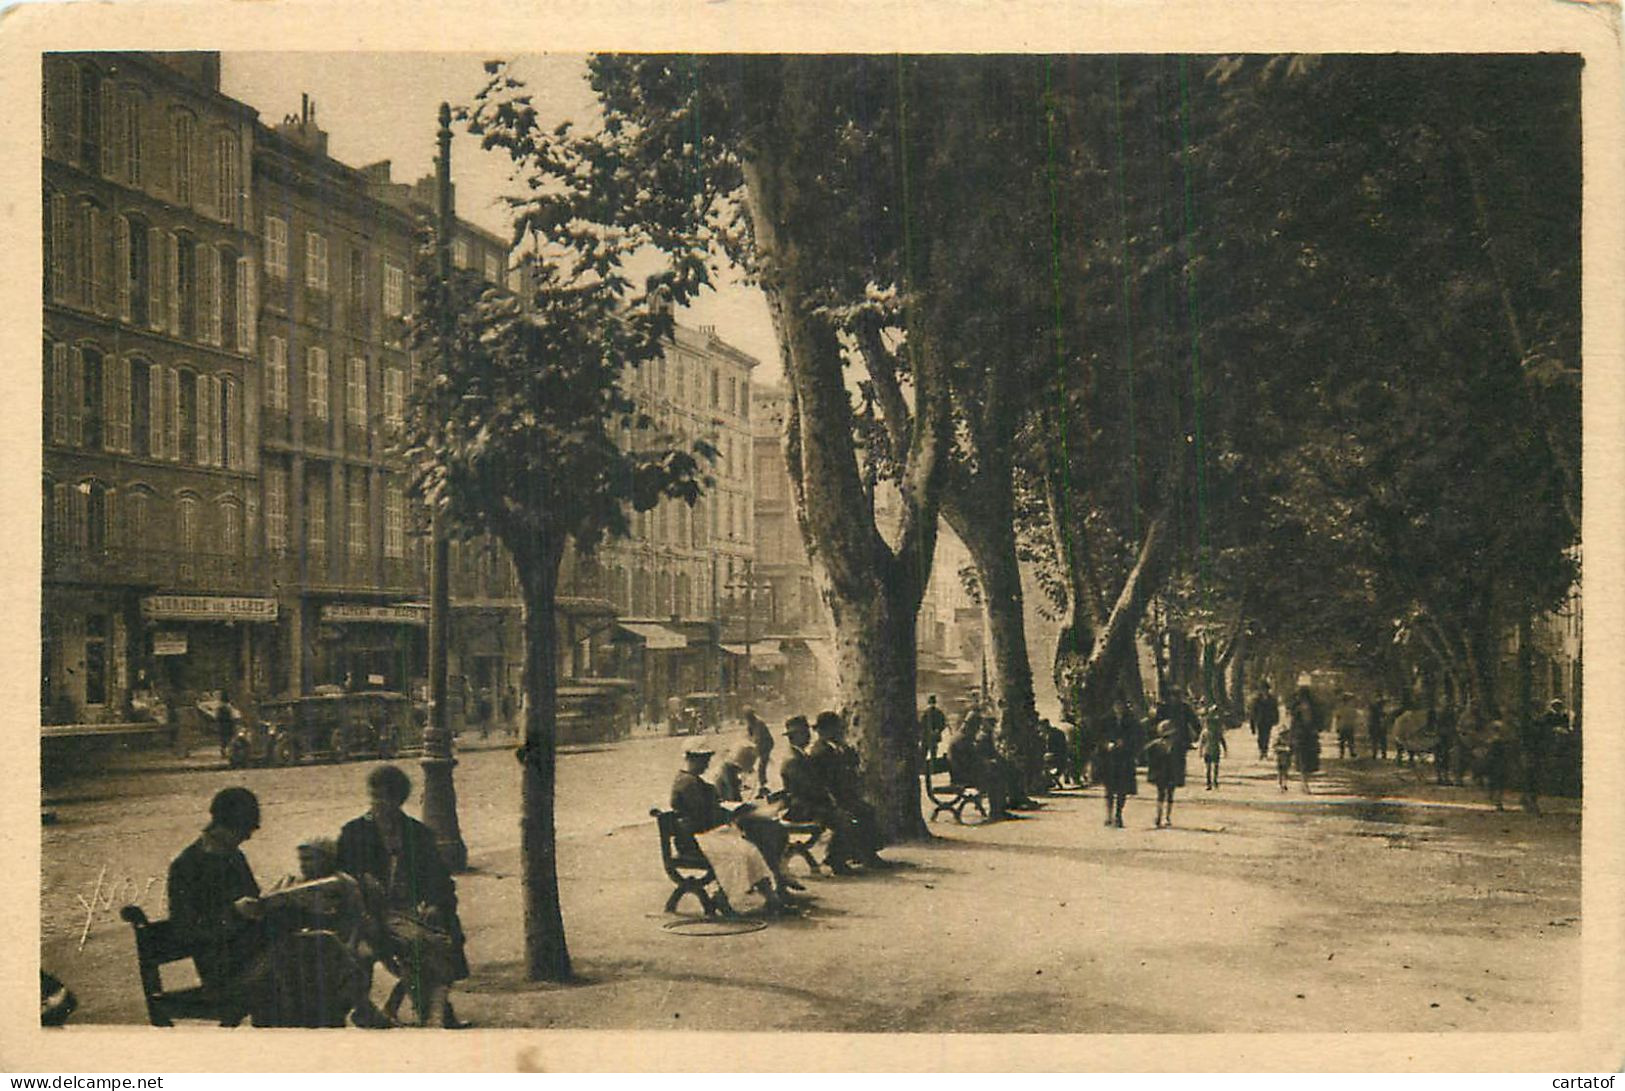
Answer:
(740, 866)
(969, 764)
(324, 901)
(836, 765)
(807, 799)
(214, 906)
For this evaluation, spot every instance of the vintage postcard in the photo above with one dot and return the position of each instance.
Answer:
(908, 537)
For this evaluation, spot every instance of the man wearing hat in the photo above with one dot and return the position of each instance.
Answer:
(214, 906)
(740, 867)
(836, 765)
(807, 797)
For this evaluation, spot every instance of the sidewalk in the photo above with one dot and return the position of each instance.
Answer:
(1258, 911)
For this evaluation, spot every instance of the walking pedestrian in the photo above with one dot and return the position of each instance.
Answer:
(1497, 761)
(933, 722)
(225, 721)
(1376, 727)
(762, 739)
(1211, 745)
(1115, 766)
(1263, 716)
(1345, 722)
(1536, 738)
(1164, 767)
(1307, 720)
(1281, 748)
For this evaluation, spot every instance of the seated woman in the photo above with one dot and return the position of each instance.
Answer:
(760, 822)
(741, 868)
(410, 892)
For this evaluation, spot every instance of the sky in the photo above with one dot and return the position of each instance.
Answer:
(384, 106)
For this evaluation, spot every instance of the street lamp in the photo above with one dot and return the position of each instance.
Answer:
(750, 587)
(439, 789)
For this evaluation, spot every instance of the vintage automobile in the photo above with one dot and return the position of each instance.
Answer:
(702, 712)
(332, 726)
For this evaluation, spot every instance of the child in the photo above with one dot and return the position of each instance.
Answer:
(1160, 770)
(1281, 747)
(1211, 745)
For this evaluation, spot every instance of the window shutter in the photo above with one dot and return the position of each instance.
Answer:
(205, 416)
(60, 393)
(155, 411)
(110, 158)
(121, 265)
(216, 297)
(110, 534)
(109, 403)
(172, 267)
(245, 305)
(70, 112)
(234, 428)
(157, 252)
(61, 247)
(77, 524)
(122, 420)
(76, 398)
(172, 415)
(200, 291)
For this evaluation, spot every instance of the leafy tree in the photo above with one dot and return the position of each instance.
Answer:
(515, 433)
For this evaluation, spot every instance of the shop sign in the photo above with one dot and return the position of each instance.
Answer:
(397, 613)
(207, 608)
(168, 643)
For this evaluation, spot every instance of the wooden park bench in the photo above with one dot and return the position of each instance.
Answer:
(950, 797)
(157, 945)
(685, 865)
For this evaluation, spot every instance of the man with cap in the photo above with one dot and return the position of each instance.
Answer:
(214, 907)
(836, 765)
(739, 865)
(933, 722)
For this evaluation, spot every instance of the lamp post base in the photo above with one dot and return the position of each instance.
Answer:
(440, 811)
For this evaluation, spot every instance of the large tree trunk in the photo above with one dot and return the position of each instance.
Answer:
(873, 591)
(875, 649)
(1082, 619)
(1116, 640)
(546, 956)
(987, 527)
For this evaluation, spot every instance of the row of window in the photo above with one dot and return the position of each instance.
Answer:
(318, 513)
(118, 132)
(129, 405)
(686, 382)
(317, 385)
(392, 276)
(673, 522)
(92, 516)
(166, 281)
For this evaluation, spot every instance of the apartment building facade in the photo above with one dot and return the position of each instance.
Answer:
(150, 490)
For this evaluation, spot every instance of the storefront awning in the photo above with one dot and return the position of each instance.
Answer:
(656, 638)
(762, 656)
(399, 613)
(207, 608)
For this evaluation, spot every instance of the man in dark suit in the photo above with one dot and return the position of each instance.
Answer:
(836, 765)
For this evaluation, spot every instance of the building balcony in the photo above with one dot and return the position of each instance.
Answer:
(153, 568)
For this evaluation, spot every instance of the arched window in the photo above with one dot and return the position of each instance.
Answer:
(182, 129)
(187, 523)
(95, 514)
(231, 526)
(93, 407)
(141, 397)
(132, 126)
(139, 517)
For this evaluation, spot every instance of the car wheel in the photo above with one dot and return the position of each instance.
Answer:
(237, 752)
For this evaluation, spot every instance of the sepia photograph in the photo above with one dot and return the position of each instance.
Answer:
(851, 543)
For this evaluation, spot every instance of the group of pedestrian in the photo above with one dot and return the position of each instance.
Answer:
(742, 827)
(1176, 726)
(1290, 742)
(378, 893)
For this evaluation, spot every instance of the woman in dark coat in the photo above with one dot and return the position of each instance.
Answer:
(1307, 721)
(411, 891)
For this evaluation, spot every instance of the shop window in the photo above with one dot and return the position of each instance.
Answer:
(96, 659)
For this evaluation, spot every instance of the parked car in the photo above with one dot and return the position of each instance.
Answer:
(335, 726)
